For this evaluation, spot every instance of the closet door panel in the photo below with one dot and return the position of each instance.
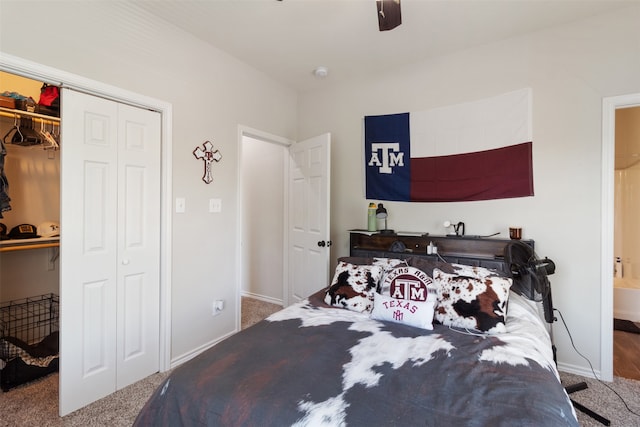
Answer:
(88, 249)
(96, 321)
(134, 314)
(97, 129)
(135, 209)
(138, 244)
(96, 193)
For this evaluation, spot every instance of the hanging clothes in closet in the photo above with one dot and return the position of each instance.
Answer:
(4, 183)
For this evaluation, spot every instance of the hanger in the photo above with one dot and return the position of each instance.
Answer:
(49, 142)
(16, 128)
(55, 132)
(31, 136)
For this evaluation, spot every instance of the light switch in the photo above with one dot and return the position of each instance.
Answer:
(180, 205)
(215, 205)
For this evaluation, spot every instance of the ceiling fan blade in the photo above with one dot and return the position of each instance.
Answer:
(389, 16)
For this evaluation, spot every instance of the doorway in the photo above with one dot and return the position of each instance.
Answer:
(263, 194)
(305, 216)
(626, 282)
(609, 108)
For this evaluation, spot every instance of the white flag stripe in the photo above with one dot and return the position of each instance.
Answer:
(485, 124)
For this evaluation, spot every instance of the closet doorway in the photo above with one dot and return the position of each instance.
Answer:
(33, 176)
(29, 235)
(36, 71)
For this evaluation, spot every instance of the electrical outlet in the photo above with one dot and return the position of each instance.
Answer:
(217, 307)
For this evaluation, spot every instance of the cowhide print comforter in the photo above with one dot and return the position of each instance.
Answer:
(310, 365)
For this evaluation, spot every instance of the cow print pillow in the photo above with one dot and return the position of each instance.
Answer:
(388, 264)
(473, 271)
(478, 303)
(353, 287)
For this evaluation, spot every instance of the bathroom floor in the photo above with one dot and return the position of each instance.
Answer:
(626, 348)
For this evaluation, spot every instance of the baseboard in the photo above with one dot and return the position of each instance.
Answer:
(190, 355)
(632, 316)
(263, 298)
(578, 370)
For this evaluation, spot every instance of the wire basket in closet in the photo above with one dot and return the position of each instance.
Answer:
(28, 339)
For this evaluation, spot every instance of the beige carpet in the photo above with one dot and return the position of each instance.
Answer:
(600, 399)
(254, 310)
(36, 404)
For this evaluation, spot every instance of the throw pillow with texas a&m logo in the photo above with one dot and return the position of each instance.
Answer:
(408, 283)
(408, 296)
(412, 313)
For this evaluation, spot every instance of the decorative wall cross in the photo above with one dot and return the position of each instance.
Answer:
(208, 155)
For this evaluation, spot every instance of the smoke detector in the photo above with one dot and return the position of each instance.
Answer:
(321, 72)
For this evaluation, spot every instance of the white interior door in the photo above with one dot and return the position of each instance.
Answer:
(309, 207)
(109, 270)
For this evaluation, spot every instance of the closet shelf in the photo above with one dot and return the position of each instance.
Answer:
(23, 244)
(9, 112)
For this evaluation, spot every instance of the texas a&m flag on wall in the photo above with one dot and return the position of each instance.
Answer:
(475, 151)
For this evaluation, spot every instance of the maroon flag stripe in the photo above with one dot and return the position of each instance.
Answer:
(500, 173)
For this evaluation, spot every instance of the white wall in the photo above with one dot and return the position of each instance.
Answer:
(211, 94)
(570, 70)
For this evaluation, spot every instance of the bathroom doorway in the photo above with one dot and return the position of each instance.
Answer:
(626, 246)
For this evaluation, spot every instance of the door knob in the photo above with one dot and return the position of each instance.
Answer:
(322, 243)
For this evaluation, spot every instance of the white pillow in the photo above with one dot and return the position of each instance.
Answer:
(412, 313)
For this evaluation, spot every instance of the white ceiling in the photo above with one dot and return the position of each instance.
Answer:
(288, 39)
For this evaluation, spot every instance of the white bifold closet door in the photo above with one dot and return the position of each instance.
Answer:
(110, 247)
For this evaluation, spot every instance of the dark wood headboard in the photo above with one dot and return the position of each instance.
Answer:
(468, 250)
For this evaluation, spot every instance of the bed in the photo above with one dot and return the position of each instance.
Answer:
(361, 353)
